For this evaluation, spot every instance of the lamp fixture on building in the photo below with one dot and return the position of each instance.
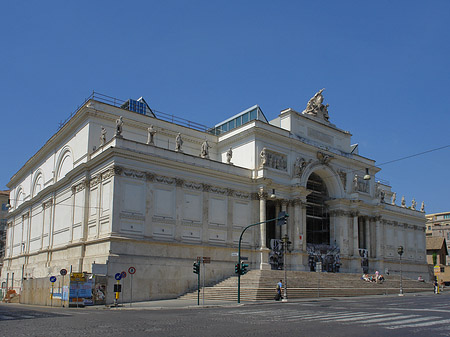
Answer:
(367, 175)
(273, 196)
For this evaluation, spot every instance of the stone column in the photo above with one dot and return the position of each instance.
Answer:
(262, 217)
(367, 236)
(298, 224)
(354, 215)
(264, 251)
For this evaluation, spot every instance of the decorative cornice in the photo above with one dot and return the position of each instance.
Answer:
(149, 176)
(164, 180)
(95, 181)
(134, 174)
(47, 204)
(193, 186)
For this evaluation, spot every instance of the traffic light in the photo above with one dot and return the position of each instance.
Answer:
(244, 267)
(196, 268)
(237, 268)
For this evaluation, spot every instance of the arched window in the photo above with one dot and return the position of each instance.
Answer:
(19, 197)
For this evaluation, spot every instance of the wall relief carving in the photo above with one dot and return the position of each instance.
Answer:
(273, 160)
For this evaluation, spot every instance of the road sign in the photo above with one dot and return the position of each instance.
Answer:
(244, 258)
(118, 276)
(131, 270)
(52, 279)
(437, 270)
(206, 259)
(235, 254)
(117, 288)
(63, 272)
(123, 274)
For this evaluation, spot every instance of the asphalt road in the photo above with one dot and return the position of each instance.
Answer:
(419, 315)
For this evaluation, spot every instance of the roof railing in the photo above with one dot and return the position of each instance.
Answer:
(119, 102)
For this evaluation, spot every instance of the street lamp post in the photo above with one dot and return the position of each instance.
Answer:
(400, 252)
(286, 242)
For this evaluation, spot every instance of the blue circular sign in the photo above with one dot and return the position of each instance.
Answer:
(123, 274)
(52, 279)
(118, 276)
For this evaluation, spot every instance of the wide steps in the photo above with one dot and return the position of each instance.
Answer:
(260, 285)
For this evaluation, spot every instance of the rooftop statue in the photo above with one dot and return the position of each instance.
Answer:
(103, 136)
(151, 135)
(205, 149)
(315, 106)
(178, 142)
(229, 155)
(119, 125)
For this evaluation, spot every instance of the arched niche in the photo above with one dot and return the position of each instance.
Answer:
(65, 163)
(38, 183)
(20, 195)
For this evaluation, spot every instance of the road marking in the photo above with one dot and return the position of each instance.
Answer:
(6, 317)
(412, 320)
(376, 320)
(424, 324)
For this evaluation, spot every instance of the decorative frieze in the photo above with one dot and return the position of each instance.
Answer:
(193, 186)
(179, 182)
(47, 204)
(218, 190)
(164, 180)
(149, 176)
(206, 187)
(95, 180)
(273, 160)
(242, 195)
(79, 187)
(230, 192)
(134, 174)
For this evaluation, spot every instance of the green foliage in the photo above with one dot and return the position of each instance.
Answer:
(434, 258)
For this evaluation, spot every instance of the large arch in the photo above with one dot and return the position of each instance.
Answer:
(324, 184)
(65, 163)
(332, 180)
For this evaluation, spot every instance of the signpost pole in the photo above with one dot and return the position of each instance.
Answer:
(203, 292)
(51, 300)
(62, 293)
(131, 290)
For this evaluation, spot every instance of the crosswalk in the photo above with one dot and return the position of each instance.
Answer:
(388, 320)
(19, 315)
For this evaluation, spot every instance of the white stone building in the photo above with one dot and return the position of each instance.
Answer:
(134, 196)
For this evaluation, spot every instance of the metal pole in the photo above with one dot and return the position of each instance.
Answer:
(401, 278)
(239, 250)
(203, 292)
(285, 240)
(198, 286)
(131, 289)
(51, 300)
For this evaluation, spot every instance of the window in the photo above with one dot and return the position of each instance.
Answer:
(429, 228)
(4, 208)
(446, 216)
(245, 118)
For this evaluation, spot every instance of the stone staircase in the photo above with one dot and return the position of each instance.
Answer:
(259, 285)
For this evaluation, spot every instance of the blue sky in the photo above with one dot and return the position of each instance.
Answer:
(385, 66)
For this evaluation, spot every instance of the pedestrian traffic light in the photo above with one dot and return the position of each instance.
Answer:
(196, 268)
(244, 267)
(237, 268)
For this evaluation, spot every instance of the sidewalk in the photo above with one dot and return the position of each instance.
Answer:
(173, 304)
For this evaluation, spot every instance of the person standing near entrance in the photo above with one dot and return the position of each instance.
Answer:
(279, 286)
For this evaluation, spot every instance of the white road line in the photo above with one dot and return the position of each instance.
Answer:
(6, 317)
(354, 318)
(392, 318)
(332, 315)
(412, 320)
(418, 325)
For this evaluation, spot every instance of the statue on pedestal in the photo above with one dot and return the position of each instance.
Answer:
(315, 106)
(178, 142)
(151, 135)
(205, 149)
(103, 136)
(393, 198)
(229, 155)
(119, 124)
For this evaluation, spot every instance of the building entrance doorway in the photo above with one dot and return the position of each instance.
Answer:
(321, 253)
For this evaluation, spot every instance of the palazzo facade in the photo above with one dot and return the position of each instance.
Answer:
(120, 185)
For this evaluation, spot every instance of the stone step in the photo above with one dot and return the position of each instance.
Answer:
(260, 285)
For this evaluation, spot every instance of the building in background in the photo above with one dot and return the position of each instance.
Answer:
(4, 202)
(121, 185)
(438, 225)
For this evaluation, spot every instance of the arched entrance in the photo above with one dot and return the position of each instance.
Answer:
(321, 253)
